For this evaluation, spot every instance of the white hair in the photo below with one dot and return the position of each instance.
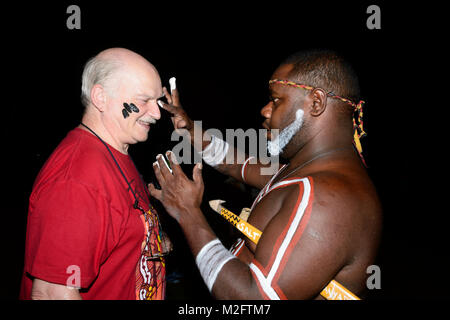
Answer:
(97, 70)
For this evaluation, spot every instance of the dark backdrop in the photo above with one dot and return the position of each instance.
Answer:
(223, 56)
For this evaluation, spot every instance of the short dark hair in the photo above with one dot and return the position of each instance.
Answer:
(325, 69)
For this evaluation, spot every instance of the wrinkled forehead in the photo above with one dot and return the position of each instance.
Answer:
(141, 81)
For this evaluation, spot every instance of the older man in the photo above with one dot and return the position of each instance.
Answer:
(319, 215)
(92, 232)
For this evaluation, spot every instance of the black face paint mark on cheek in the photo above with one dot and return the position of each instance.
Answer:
(134, 108)
(129, 108)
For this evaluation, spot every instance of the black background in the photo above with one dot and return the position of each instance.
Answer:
(223, 54)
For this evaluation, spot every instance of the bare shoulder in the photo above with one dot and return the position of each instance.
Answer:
(345, 194)
(346, 208)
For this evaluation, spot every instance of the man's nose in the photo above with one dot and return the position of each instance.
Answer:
(266, 111)
(154, 110)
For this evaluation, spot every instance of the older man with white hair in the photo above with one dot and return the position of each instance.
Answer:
(92, 232)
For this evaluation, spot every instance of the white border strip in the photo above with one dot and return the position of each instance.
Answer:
(266, 286)
(244, 165)
(292, 228)
(284, 182)
(266, 283)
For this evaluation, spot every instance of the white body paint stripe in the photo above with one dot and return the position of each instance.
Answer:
(283, 183)
(266, 282)
(292, 228)
(243, 168)
(265, 285)
(263, 191)
(235, 251)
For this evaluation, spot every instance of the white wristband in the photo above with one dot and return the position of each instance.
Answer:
(215, 152)
(210, 261)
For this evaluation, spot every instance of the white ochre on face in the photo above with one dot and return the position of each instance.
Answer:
(275, 147)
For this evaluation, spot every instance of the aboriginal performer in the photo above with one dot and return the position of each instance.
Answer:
(319, 214)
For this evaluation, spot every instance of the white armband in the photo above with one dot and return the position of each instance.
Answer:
(210, 261)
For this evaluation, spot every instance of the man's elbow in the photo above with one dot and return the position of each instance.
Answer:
(43, 290)
(37, 294)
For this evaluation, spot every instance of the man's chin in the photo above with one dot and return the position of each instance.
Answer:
(273, 148)
(142, 137)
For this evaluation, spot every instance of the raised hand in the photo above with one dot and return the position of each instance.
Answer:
(180, 119)
(179, 194)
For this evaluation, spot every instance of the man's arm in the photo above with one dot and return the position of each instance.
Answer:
(297, 255)
(43, 290)
(250, 173)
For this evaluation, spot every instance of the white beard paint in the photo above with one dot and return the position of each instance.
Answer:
(276, 146)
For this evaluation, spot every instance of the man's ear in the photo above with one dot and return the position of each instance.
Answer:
(98, 97)
(319, 100)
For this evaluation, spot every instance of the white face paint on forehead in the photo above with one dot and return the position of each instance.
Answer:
(276, 146)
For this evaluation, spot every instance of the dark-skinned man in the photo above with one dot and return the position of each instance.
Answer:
(319, 215)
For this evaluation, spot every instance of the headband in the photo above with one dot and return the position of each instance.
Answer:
(357, 124)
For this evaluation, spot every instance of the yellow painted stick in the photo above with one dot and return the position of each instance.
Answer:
(243, 226)
(336, 291)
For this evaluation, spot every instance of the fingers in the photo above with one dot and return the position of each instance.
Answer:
(173, 97)
(167, 95)
(181, 124)
(176, 169)
(163, 167)
(158, 174)
(174, 91)
(169, 171)
(155, 193)
(168, 107)
(197, 174)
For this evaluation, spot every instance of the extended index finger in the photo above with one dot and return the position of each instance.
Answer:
(174, 163)
(173, 110)
(167, 95)
(174, 91)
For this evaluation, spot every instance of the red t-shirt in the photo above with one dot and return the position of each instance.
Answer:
(83, 229)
